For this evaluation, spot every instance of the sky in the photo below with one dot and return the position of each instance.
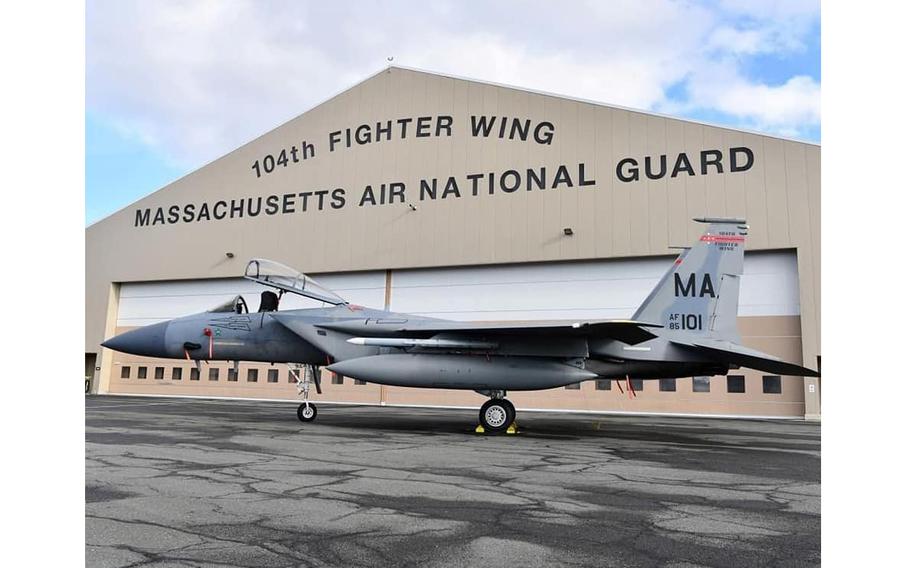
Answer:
(174, 84)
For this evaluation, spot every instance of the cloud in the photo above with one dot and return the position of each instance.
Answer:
(196, 79)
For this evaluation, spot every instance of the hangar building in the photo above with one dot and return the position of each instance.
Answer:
(467, 200)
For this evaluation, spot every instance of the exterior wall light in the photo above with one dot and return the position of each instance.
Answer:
(568, 231)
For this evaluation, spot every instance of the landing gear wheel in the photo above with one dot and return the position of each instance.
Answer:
(511, 409)
(306, 412)
(496, 415)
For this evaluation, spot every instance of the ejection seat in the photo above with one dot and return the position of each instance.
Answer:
(268, 302)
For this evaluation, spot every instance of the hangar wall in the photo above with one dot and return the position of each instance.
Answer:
(441, 180)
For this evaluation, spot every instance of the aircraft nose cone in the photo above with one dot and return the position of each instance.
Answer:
(147, 341)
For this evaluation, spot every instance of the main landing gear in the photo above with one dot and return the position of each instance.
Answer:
(497, 414)
(306, 412)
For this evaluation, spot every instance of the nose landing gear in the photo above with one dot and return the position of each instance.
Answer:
(497, 414)
(306, 412)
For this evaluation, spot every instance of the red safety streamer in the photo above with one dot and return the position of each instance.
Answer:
(631, 388)
(208, 332)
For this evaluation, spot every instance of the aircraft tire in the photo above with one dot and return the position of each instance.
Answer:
(306, 413)
(511, 409)
(496, 415)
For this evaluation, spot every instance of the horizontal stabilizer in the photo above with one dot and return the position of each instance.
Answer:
(735, 354)
(627, 331)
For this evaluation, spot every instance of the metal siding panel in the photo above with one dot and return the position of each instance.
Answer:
(638, 196)
(776, 189)
(586, 196)
(605, 179)
(677, 195)
(658, 191)
(734, 187)
(696, 190)
(621, 194)
(715, 194)
(756, 195)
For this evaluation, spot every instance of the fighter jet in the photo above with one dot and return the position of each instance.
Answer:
(685, 327)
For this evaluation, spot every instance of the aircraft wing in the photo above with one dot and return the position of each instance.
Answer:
(627, 331)
(735, 354)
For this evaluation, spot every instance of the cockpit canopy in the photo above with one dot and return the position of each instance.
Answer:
(274, 274)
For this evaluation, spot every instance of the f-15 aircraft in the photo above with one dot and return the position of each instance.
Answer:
(685, 327)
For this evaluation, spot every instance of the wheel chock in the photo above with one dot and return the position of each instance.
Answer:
(479, 429)
(513, 428)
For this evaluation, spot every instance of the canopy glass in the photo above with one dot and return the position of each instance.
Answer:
(274, 274)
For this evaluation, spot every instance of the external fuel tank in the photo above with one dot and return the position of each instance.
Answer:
(472, 372)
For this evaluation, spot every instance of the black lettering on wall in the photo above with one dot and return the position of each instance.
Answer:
(734, 162)
(249, 209)
(387, 130)
(271, 205)
(427, 189)
(337, 198)
(404, 125)
(482, 126)
(562, 176)
(508, 186)
(321, 195)
(367, 198)
(474, 179)
(682, 165)
(334, 138)
(539, 178)
(543, 133)
(308, 150)
(711, 158)
(304, 199)
(663, 167)
(630, 173)
(582, 181)
(362, 135)
(423, 126)
(444, 122)
(396, 190)
(451, 188)
(520, 129)
(287, 203)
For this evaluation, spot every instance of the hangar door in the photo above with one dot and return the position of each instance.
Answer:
(600, 289)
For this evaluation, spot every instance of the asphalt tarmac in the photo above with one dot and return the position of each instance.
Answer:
(178, 482)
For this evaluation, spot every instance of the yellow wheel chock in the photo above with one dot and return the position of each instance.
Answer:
(512, 429)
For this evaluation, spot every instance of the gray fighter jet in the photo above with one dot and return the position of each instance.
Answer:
(685, 327)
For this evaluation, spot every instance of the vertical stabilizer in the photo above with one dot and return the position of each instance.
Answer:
(699, 294)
